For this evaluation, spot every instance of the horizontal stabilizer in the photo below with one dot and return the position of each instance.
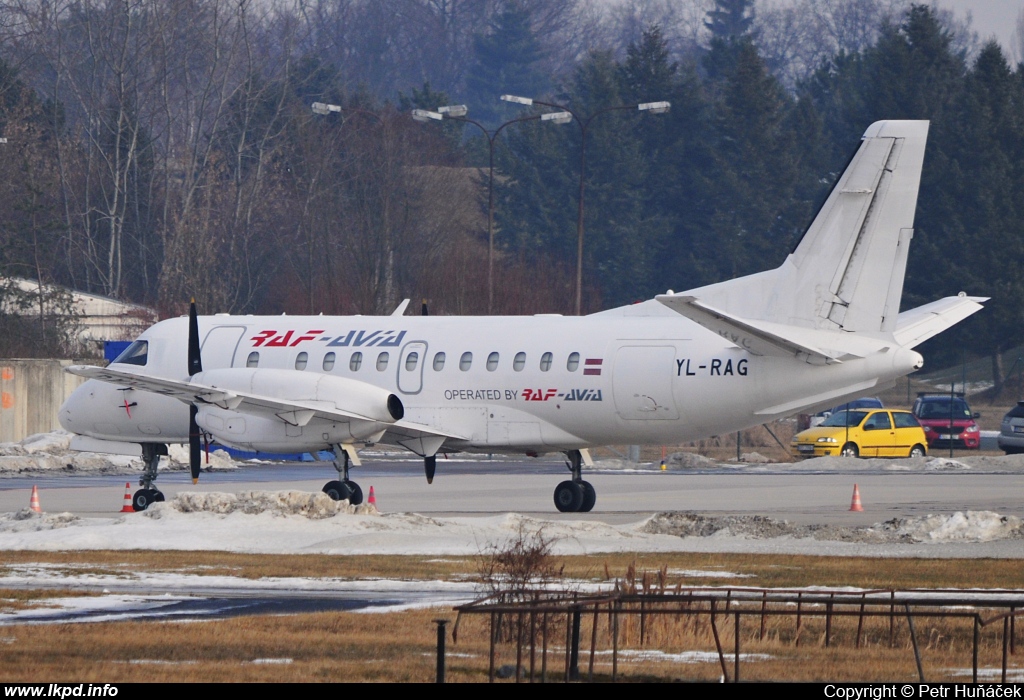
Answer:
(829, 396)
(767, 338)
(915, 326)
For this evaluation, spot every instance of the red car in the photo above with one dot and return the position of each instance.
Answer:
(947, 418)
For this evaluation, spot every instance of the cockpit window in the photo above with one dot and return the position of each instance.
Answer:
(135, 354)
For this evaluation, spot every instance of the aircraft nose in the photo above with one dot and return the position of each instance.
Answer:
(70, 413)
(85, 407)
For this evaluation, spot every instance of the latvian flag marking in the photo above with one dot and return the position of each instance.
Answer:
(592, 365)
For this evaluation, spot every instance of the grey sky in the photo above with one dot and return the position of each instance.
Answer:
(991, 18)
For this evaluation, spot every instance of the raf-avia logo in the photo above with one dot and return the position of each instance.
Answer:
(376, 338)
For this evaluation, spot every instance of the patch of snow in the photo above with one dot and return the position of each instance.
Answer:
(49, 452)
(754, 458)
(983, 526)
(688, 460)
(685, 657)
(315, 506)
(944, 464)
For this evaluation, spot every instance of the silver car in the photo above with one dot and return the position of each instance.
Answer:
(1011, 435)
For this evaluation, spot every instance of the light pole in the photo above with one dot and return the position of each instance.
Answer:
(324, 109)
(458, 113)
(652, 107)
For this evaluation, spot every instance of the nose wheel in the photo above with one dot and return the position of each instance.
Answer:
(144, 498)
(575, 495)
(148, 494)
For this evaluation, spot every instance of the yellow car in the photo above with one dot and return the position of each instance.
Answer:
(863, 433)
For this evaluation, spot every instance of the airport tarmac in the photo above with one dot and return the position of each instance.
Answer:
(468, 487)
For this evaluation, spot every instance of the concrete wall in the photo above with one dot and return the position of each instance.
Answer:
(31, 392)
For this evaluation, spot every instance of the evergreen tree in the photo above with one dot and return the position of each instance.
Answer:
(755, 168)
(978, 245)
(730, 20)
(506, 61)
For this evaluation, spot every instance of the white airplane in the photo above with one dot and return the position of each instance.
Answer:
(822, 328)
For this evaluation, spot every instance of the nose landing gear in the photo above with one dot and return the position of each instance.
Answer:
(575, 495)
(148, 494)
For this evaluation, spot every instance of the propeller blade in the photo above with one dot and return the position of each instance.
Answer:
(430, 466)
(195, 362)
(194, 446)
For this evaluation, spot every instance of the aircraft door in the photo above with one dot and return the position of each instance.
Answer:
(642, 383)
(410, 367)
(218, 349)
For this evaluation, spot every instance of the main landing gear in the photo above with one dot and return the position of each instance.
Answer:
(575, 495)
(148, 494)
(343, 489)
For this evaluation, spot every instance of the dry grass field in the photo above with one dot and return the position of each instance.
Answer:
(400, 647)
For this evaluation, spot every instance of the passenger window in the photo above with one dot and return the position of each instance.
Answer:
(301, 359)
(492, 362)
(519, 361)
(135, 354)
(879, 421)
(545, 361)
(905, 420)
(382, 361)
(253, 360)
(574, 362)
(328, 362)
(466, 361)
(439, 362)
(411, 360)
(356, 362)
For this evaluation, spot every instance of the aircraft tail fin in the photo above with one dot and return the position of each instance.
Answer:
(846, 274)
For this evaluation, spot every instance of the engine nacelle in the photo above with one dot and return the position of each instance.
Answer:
(271, 434)
(283, 432)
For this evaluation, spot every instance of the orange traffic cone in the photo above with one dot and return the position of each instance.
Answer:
(33, 503)
(372, 500)
(855, 505)
(127, 507)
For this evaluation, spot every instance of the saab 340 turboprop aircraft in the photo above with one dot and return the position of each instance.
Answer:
(822, 328)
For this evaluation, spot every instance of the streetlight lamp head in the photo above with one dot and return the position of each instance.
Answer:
(518, 100)
(453, 110)
(654, 107)
(557, 117)
(325, 108)
(423, 115)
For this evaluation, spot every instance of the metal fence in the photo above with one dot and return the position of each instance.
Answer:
(541, 624)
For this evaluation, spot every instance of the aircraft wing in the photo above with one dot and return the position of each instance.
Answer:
(423, 440)
(290, 411)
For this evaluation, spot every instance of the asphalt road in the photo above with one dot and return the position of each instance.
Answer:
(469, 487)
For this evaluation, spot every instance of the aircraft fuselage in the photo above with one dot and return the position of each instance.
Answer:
(526, 384)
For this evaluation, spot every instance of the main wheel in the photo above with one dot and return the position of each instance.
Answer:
(589, 497)
(355, 496)
(850, 450)
(917, 451)
(143, 498)
(339, 491)
(568, 497)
